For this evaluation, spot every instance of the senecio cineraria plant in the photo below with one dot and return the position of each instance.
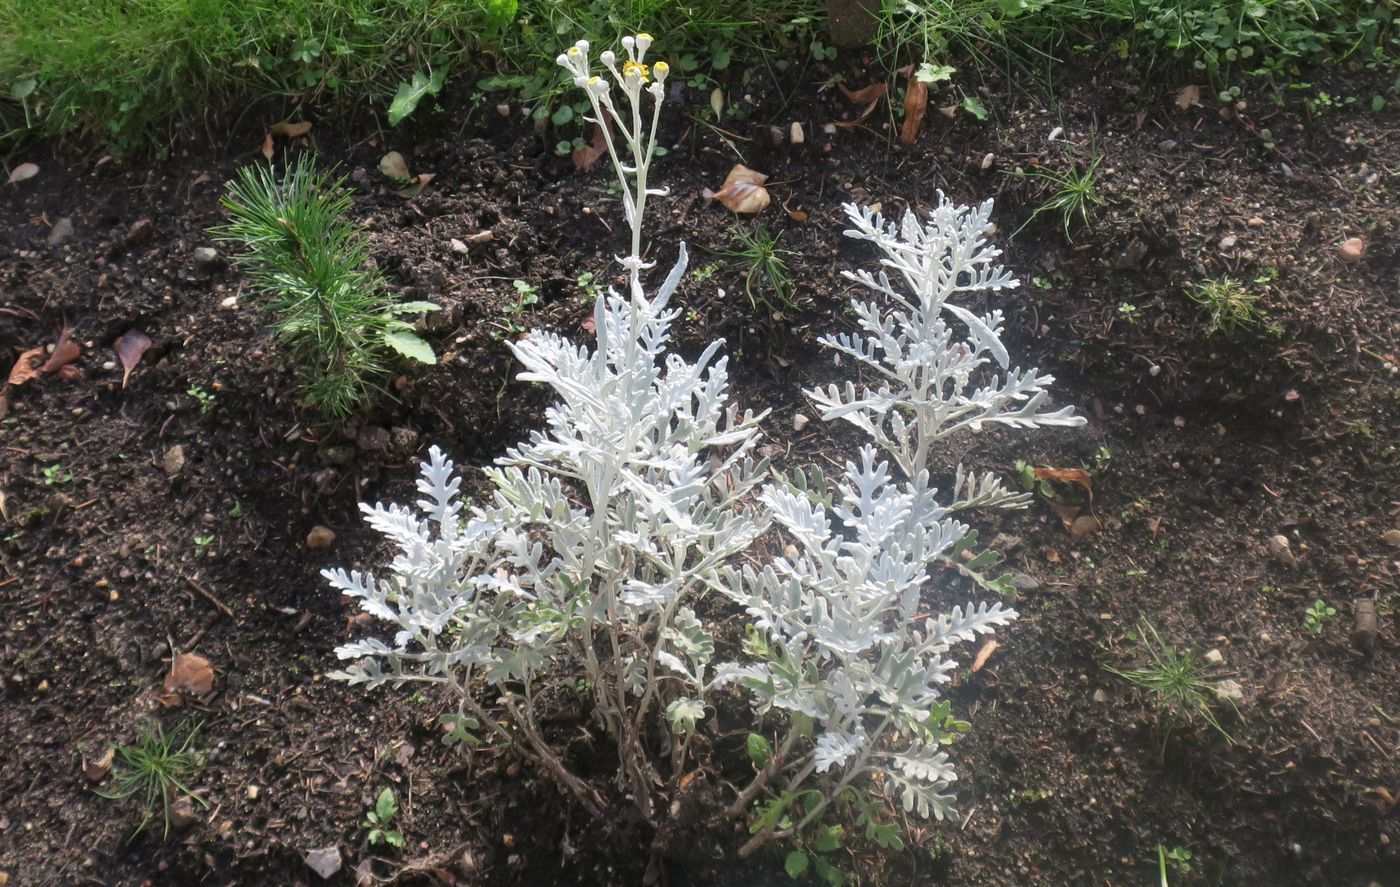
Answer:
(582, 567)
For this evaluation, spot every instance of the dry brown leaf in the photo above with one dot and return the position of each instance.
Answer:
(64, 353)
(97, 770)
(395, 167)
(415, 185)
(1154, 526)
(584, 158)
(284, 129)
(290, 130)
(190, 675)
(871, 95)
(24, 368)
(70, 373)
(23, 171)
(1188, 96)
(130, 347)
(797, 215)
(984, 654)
(1076, 476)
(865, 94)
(915, 106)
(1066, 513)
(743, 190)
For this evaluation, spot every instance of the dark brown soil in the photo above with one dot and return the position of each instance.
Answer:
(1202, 446)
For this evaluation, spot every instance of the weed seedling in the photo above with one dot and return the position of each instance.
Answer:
(157, 768)
(202, 544)
(1316, 615)
(1176, 682)
(1228, 306)
(526, 294)
(204, 398)
(54, 475)
(380, 820)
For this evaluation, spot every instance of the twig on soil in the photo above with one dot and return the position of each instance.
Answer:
(209, 597)
(1309, 728)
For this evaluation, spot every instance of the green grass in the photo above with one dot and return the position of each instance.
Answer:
(1226, 304)
(310, 263)
(1178, 684)
(1072, 193)
(135, 74)
(124, 71)
(156, 769)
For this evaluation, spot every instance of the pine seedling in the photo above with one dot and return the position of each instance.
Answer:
(312, 266)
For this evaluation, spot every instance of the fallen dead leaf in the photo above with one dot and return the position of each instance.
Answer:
(290, 130)
(97, 770)
(23, 171)
(871, 95)
(130, 346)
(915, 106)
(70, 373)
(1077, 476)
(984, 654)
(1188, 96)
(797, 215)
(586, 157)
(286, 130)
(1154, 526)
(190, 675)
(64, 353)
(24, 368)
(743, 191)
(415, 185)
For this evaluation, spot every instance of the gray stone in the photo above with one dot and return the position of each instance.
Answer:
(324, 862)
(174, 461)
(1229, 691)
(61, 231)
(373, 439)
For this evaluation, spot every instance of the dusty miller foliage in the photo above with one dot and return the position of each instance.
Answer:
(643, 492)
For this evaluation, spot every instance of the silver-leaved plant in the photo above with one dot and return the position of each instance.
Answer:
(845, 640)
(581, 567)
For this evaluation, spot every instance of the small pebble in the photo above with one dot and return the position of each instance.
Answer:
(61, 231)
(1229, 691)
(320, 538)
(1100, 696)
(1282, 550)
(1214, 657)
(1392, 538)
(1351, 250)
(799, 422)
(1256, 222)
(1228, 242)
(457, 246)
(174, 461)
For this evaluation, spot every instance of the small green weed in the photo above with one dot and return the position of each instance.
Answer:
(156, 769)
(513, 314)
(1176, 682)
(311, 263)
(380, 820)
(203, 544)
(1228, 305)
(1072, 193)
(204, 398)
(1316, 615)
(56, 476)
